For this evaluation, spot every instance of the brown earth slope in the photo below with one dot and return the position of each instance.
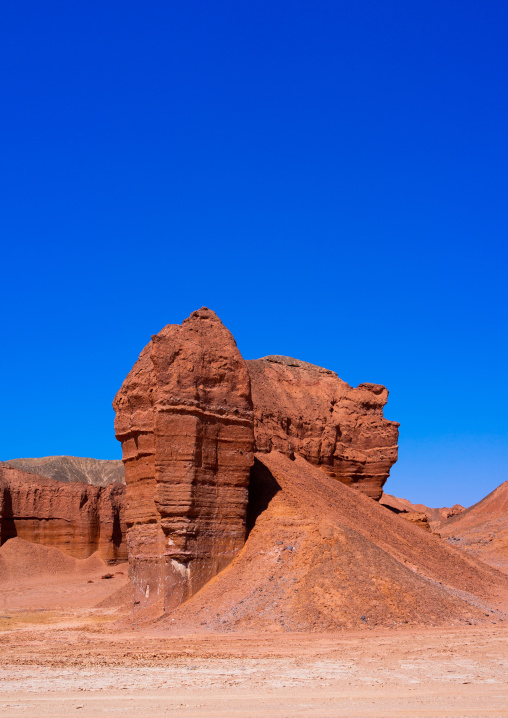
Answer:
(37, 578)
(96, 472)
(321, 556)
(482, 529)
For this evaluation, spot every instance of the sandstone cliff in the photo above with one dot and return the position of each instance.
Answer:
(304, 409)
(96, 472)
(184, 417)
(76, 518)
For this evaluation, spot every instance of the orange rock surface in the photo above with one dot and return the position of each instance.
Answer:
(322, 557)
(77, 518)
(305, 409)
(184, 417)
(429, 518)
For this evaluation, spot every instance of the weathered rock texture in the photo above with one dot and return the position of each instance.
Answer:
(184, 417)
(76, 518)
(96, 472)
(321, 556)
(303, 409)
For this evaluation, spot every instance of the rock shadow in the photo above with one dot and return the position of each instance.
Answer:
(262, 488)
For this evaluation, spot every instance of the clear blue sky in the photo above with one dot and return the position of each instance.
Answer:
(329, 177)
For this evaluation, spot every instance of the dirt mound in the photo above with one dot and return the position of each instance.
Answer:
(95, 472)
(36, 577)
(482, 529)
(20, 560)
(321, 556)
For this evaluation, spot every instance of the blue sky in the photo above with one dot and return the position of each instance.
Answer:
(330, 178)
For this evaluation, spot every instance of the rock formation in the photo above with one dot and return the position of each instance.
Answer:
(76, 518)
(96, 472)
(304, 409)
(184, 417)
(405, 510)
(428, 518)
(321, 556)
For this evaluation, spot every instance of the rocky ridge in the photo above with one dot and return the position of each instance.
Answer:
(482, 529)
(428, 518)
(95, 472)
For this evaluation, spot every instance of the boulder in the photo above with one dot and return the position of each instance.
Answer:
(304, 409)
(76, 518)
(185, 420)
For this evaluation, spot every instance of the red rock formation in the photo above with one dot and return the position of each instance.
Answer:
(323, 557)
(76, 518)
(304, 409)
(433, 517)
(184, 417)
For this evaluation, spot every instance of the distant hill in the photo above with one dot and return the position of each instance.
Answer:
(482, 529)
(95, 472)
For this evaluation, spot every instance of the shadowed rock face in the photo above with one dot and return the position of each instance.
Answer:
(96, 472)
(76, 518)
(304, 409)
(184, 417)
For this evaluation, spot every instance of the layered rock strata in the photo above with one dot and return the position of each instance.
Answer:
(304, 409)
(321, 557)
(185, 420)
(76, 518)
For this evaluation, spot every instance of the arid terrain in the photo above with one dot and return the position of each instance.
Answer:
(247, 561)
(54, 664)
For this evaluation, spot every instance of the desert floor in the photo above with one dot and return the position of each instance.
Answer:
(57, 663)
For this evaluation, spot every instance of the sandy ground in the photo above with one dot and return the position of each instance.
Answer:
(57, 664)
